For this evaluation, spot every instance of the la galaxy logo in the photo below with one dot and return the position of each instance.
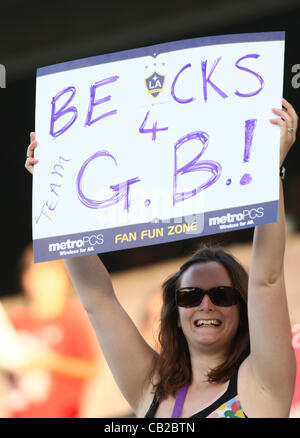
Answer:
(155, 83)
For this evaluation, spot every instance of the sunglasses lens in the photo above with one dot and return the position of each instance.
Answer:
(224, 296)
(188, 297)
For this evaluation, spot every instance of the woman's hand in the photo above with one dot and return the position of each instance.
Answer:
(30, 160)
(288, 121)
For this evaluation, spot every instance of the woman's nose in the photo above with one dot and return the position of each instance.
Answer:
(206, 303)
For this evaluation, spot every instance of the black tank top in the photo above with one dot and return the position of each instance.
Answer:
(226, 406)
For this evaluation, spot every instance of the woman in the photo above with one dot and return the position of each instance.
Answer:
(206, 363)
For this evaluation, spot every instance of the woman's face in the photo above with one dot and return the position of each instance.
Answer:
(194, 321)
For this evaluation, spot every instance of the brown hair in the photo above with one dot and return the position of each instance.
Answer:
(173, 364)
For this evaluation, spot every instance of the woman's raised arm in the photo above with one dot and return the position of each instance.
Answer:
(272, 358)
(128, 355)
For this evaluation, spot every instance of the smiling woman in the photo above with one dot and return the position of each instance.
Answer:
(225, 337)
(209, 266)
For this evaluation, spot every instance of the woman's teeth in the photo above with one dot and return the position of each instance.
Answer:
(201, 322)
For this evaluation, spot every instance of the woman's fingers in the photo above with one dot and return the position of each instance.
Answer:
(288, 119)
(30, 163)
(291, 111)
(287, 114)
(279, 122)
(30, 160)
(288, 122)
(284, 115)
(32, 146)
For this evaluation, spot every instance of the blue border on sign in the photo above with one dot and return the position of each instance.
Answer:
(157, 49)
(199, 225)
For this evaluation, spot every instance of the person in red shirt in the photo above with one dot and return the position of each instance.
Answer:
(62, 349)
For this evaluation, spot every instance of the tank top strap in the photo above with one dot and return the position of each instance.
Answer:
(232, 387)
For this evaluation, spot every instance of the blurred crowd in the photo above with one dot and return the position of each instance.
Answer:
(50, 352)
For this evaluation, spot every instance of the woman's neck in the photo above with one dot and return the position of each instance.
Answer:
(202, 364)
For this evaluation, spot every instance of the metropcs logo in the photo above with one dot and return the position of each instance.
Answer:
(237, 219)
(74, 246)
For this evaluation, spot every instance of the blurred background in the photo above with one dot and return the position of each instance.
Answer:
(61, 372)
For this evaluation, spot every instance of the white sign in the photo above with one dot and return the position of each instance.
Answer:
(157, 144)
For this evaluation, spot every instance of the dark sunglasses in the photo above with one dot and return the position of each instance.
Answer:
(220, 296)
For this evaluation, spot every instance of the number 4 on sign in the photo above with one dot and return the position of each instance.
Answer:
(153, 130)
